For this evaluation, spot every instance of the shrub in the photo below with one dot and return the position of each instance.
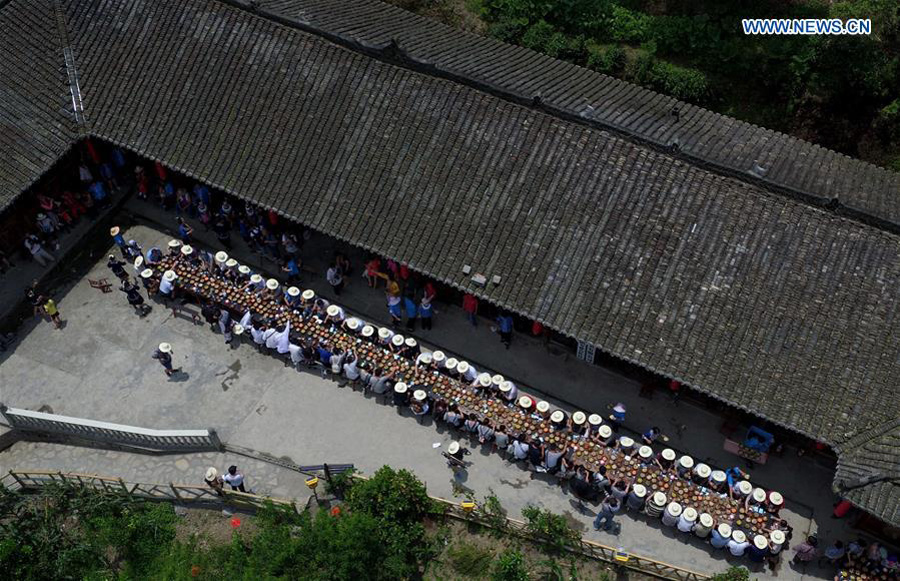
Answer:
(629, 26)
(551, 528)
(469, 559)
(732, 574)
(510, 566)
(680, 82)
(508, 29)
(538, 36)
(608, 60)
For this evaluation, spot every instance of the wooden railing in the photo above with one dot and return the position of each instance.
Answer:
(187, 493)
(115, 434)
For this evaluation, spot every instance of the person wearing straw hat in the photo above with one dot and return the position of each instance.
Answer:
(352, 326)
(167, 284)
(758, 551)
(717, 482)
(334, 314)
(605, 436)
(704, 525)
(558, 419)
(720, 535)
(307, 297)
(738, 544)
(438, 359)
(117, 237)
(594, 422)
(526, 404)
(385, 336)
(656, 505)
(133, 294)
(450, 367)
(636, 498)
(699, 474)
(665, 460)
(777, 539)
(509, 391)
(117, 267)
(625, 445)
(419, 404)
(242, 276)
(467, 371)
(163, 354)
(273, 289)
(424, 361)
(256, 284)
(291, 297)
(579, 422)
(774, 502)
(174, 246)
(740, 490)
(401, 395)
(132, 250)
(214, 481)
(755, 498)
(482, 383)
(221, 257)
(543, 409)
(397, 344)
(150, 284)
(367, 332)
(138, 265)
(645, 456)
(687, 520)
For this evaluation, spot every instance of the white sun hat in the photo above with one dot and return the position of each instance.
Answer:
(114, 230)
(368, 331)
(525, 402)
(604, 431)
(238, 329)
(170, 275)
(497, 379)
(384, 333)
(626, 442)
(759, 495)
(293, 291)
(438, 356)
(333, 310)
(595, 419)
(210, 472)
(718, 476)
(420, 395)
(686, 462)
(272, 284)
(244, 269)
(776, 498)
(453, 448)
(484, 380)
(702, 470)
(146, 273)
(557, 417)
(256, 279)
(745, 487)
(639, 490)
(410, 342)
(231, 263)
(450, 364)
(674, 509)
(543, 407)
(139, 262)
(668, 454)
(187, 249)
(706, 520)
(221, 257)
(724, 530)
(353, 323)
(174, 243)
(308, 294)
(506, 387)
(578, 418)
(777, 537)
(645, 452)
(760, 541)
(165, 347)
(397, 340)
(690, 514)
(400, 387)
(659, 499)
(739, 536)
(426, 358)
(463, 367)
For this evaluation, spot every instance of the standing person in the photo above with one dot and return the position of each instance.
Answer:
(505, 326)
(214, 481)
(223, 231)
(53, 312)
(426, 311)
(225, 325)
(409, 304)
(117, 267)
(373, 272)
(235, 479)
(163, 354)
(335, 278)
(470, 306)
(806, 551)
(34, 246)
(184, 231)
(608, 510)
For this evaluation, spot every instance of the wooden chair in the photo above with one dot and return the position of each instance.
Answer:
(102, 284)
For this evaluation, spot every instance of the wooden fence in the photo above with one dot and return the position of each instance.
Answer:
(203, 494)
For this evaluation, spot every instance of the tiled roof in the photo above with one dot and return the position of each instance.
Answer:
(754, 297)
(868, 472)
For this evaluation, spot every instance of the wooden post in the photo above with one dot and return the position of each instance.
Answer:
(17, 479)
(124, 486)
(174, 490)
(327, 473)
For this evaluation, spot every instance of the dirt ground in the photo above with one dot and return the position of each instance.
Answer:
(211, 527)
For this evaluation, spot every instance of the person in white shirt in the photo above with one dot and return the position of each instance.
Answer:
(738, 544)
(351, 370)
(234, 478)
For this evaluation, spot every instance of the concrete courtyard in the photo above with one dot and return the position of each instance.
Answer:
(99, 367)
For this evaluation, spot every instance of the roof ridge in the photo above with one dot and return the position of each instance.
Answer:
(393, 52)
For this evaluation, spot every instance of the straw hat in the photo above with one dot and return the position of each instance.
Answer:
(604, 431)
(210, 472)
(497, 379)
(244, 269)
(739, 536)
(139, 262)
(221, 256)
(112, 256)
(543, 407)
(760, 542)
(438, 356)
(724, 529)
(578, 418)
(353, 323)
(463, 367)
(308, 295)
(718, 476)
(706, 520)
(238, 329)
(146, 273)
(595, 419)
(674, 509)
(450, 364)
(333, 310)
(256, 279)
(484, 379)
(231, 263)
(112, 231)
(384, 333)
(557, 417)
(777, 537)
(165, 347)
(690, 514)
(272, 284)
(668, 454)
(659, 499)
(293, 291)
(776, 498)
(703, 471)
(420, 395)
(506, 387)
(744, 487)
(174, 243)
(170, 275)
(397, 340)
(639, 490)
(526, 402)
(400, 387)
(453, 448)
(426, 358)
(686, 462)
(759, 495)
(645, 451)
(410, 342)
(368, 331)
(625, 442)
(187, 249)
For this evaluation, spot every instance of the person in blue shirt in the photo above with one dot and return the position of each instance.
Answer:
(201, 193)
(426, 310)
(292, 269)
(324, 354)
(98, 192)
(118, 157)
(505, 324)
(411, 312)
(184, 231)
(734, 474)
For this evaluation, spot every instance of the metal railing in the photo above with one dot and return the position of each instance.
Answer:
(107, 433)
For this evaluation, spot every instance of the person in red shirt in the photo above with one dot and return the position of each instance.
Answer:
(470, 306)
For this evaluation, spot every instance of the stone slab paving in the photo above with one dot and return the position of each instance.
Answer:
(99, 367)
